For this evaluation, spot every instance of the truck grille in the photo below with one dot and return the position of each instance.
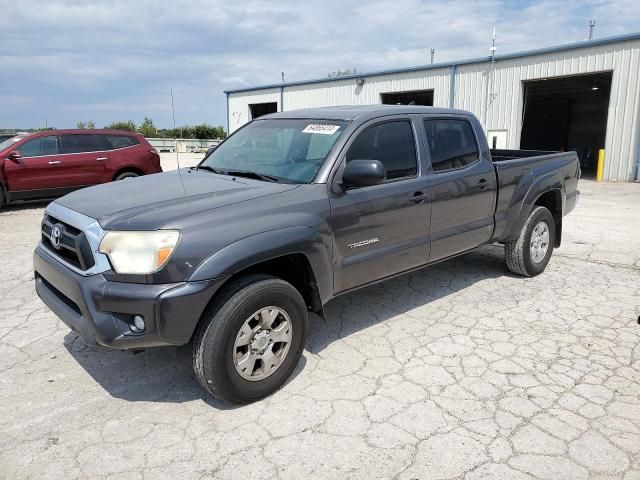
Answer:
(69, 243)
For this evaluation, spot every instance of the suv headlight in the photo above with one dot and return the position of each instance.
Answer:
(139, 252)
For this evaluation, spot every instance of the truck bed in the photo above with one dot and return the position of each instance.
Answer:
(523, 173)
(498, 155)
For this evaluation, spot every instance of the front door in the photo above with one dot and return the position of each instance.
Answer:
(381, 230)
(36, 169)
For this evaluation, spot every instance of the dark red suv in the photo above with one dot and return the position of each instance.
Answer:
(53, 163)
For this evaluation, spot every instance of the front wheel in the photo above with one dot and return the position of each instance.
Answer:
(250, 338)
(530, 253)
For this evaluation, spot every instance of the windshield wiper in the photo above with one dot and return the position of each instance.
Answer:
(239, 173)
(250, 174)
(209, 169)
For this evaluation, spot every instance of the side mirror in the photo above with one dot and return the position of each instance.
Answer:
(363, 173)
(15, 155)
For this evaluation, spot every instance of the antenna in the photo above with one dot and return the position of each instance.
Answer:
(173, 116)
(592, 24)
(490, 95)
(493, 47)
(282, 75)
(433, 52)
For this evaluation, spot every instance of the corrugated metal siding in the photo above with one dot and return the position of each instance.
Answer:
(495, 95)
(239, 113)
(493, 92)
(346, 92)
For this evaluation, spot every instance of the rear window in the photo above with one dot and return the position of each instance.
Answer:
(40, 146)
(78, 143)
(452, 144)
(121, 141)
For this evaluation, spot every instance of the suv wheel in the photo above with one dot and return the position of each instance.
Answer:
(250, 338)
(125, 175)
(531, 252)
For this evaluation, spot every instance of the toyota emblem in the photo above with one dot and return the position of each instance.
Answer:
(56, 236)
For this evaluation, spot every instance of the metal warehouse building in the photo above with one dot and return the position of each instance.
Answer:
(583, 96)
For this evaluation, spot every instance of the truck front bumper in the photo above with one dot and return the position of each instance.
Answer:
(102, 311)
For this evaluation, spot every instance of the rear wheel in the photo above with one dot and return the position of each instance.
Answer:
(125, 175)
(250, 339)
(530, 253)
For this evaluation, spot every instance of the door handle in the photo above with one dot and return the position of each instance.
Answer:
(102, 158)
(482, 183)
(54, 162)
(419, 197)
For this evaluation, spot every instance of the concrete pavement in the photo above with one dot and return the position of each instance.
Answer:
(460, 370)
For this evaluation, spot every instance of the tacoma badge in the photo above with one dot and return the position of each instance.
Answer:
(362, 243)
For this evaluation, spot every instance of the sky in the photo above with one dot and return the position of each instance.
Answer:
(64, 61)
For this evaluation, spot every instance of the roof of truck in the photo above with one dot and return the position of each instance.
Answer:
(350, 112)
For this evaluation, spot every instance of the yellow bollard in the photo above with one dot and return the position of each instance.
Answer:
(600, 170)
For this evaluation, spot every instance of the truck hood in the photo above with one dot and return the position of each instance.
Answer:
(152, 201)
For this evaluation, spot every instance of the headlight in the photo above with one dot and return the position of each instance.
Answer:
(139, 252)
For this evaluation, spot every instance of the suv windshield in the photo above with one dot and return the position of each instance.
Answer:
(288, 150)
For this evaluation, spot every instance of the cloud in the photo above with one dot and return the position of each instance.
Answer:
(73, 60)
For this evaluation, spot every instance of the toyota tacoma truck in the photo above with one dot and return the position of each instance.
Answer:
(290, 211)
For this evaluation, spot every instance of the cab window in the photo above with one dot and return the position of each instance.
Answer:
(40, 146)
(391, 143)
(452, 144)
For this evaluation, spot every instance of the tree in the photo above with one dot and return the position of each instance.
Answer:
(342, 73)
(203, 131)
(208, 131)
(90, 124)
(219, 132)
(147, 128)
(129, 126)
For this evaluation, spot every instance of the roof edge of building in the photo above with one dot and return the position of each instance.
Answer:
(506, 56)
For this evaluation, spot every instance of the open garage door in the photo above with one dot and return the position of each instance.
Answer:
(414, 97)
(260, 109)
(567, 113)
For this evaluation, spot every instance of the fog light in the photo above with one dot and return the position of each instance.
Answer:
(138, 324)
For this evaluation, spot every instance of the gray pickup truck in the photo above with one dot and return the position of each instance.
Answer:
(290, 211)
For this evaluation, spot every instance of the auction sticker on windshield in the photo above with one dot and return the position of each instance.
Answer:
(321, 129)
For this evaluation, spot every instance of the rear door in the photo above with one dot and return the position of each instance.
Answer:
(463, 185)
(82, 159)
(37, 169)
(382, 229)
(120, 153)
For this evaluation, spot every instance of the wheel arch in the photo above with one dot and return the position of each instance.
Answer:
(127, 169)
(547, 192)
(296, 254)
(552, 201)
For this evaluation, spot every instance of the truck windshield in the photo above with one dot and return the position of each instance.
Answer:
(289, 150)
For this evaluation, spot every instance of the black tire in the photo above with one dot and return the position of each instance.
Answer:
(214, 340)
(125, 175)
(518, 252)
(2, 202)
